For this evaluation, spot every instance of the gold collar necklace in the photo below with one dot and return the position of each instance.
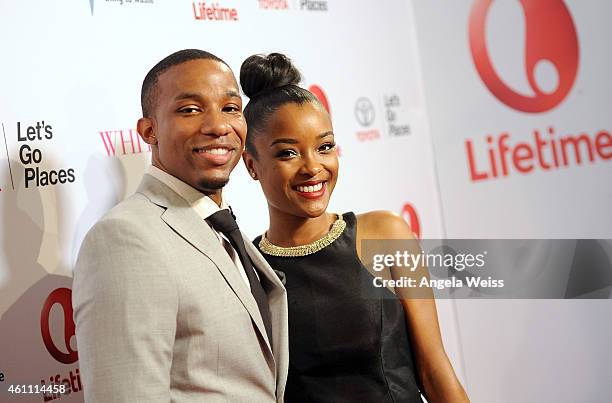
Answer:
(295, 251)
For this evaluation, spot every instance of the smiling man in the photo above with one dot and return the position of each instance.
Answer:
(170, 302)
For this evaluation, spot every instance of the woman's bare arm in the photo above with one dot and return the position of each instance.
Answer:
(434, 370)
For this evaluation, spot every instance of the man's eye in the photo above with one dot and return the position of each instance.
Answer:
(231, 108)
(189, 109)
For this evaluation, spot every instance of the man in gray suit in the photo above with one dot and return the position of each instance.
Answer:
(170, 304)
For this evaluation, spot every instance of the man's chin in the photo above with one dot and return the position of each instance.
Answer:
(207, 186)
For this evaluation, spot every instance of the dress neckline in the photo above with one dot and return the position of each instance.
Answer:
(334, 233)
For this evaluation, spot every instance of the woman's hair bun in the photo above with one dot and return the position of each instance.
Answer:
(260, 73)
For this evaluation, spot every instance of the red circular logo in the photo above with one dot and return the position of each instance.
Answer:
(550, 37)
(410, 215)
(318, 92)
(62, 296)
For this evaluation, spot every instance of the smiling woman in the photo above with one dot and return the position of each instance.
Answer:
(344, 347)
(296, 162)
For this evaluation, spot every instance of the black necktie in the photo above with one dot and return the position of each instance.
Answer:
(224, 222)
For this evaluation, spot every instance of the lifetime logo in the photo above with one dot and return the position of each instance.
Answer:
(550, 38)
(318, 92)
(411, 216)
(213, 12)
(63, 297)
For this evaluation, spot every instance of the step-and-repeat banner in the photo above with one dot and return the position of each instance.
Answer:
(469, 118)
(519, 98)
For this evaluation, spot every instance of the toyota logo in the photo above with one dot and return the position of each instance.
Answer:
(364, 112)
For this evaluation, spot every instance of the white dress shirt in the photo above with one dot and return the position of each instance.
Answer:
(204, 206)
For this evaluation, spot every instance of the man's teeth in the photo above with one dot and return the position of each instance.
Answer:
(310, 189)
(215, 151)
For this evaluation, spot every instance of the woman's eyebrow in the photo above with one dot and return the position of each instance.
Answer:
(285, 140)
(294, 141)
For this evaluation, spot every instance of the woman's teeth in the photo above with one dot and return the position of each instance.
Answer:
(310, 189)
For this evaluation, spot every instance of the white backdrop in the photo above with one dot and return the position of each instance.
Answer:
(521, 350)
(405, 96)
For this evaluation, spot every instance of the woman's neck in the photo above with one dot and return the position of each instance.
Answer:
(288, 230)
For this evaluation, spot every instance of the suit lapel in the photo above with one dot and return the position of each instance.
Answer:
(277, 298)
(262, 266)
(185, 222)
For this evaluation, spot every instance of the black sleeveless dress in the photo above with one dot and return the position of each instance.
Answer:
(343, 346)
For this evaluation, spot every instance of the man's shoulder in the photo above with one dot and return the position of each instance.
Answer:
(131, 226)
(130, 208)
(136, 214)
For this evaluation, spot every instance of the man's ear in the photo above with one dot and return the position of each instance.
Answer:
(249, 162)
(146, 129)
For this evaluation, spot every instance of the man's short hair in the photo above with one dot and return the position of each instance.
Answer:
(149, 92)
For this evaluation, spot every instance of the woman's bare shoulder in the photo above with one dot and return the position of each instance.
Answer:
(382, 224)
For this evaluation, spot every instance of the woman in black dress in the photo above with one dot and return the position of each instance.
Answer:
(343, 347)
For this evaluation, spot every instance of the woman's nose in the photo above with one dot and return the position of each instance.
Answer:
(311, 166)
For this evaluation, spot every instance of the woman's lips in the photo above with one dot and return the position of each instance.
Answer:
(311, 191)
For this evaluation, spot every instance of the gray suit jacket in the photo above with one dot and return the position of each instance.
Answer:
(163, 315)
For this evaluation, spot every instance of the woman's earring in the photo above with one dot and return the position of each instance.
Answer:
(253, 175)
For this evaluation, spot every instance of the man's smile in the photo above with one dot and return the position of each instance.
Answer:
(216, 154)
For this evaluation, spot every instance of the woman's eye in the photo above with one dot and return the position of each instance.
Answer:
(286, 154)
(327, 147)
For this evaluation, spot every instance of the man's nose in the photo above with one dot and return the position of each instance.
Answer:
(215, 124)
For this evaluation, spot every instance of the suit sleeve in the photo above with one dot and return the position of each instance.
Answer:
(125, 308)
